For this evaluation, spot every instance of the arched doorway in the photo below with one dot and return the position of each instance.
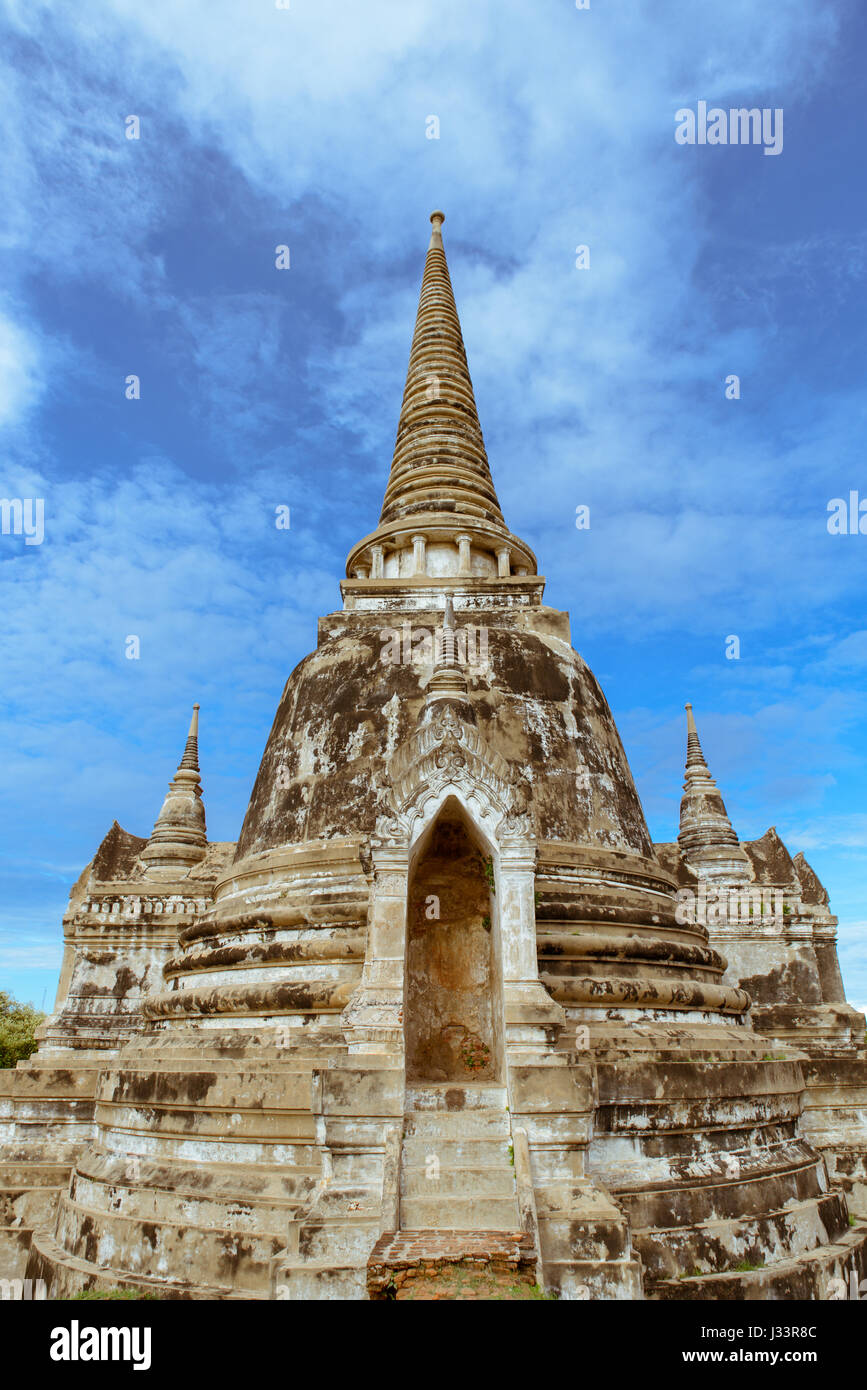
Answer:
(452, 1024)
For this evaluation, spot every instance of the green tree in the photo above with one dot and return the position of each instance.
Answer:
(18, 1024)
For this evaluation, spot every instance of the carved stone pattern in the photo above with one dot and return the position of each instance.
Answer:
(448, 752)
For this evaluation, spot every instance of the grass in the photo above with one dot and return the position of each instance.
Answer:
(458, 1284)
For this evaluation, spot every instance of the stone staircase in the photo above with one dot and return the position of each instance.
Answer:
(460, 1230)
(457, 1168)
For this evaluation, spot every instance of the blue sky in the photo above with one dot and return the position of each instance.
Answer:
(307, 127)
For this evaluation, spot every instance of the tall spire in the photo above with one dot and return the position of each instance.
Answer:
(439, 455)
(179, 839)
(440, 490)
(707, 838)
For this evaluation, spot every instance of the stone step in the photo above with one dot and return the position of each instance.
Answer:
(687, 1201)
(717, 1246)
(459, 1097)
(347, 1240)
(457, 1124)
(469, 1151)
(145, 1202)
(597, 1280)
(142, 1179)
(14, 1251)
(488, 1180)
(119, 1244)
(815, 1275)
(65, 1275)
(459, 1213)
(320, 1281)
(19, 1176)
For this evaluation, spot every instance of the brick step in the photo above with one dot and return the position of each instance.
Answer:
(403, 1262)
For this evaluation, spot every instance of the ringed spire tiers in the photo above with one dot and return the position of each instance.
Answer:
(707, 838)
(179, 839)
(440, 515)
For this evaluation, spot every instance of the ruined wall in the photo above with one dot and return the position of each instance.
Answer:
(779, 939)
(119, 930)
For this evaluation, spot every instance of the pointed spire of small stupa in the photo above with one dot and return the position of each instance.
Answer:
(448, 681)
(706, 833)
(179, 838)
(191, 752)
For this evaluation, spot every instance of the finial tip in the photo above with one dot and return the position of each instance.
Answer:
(438, 218)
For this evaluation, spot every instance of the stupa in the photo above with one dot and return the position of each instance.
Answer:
(444, 1006)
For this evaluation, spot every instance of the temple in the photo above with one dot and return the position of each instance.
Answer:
(444, 1009)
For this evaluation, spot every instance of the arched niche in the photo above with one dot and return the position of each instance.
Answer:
(453, 981)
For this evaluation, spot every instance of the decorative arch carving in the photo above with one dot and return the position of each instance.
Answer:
(447, 756)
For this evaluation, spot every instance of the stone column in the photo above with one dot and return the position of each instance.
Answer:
(418, 556)
(464, 566)
(531, 1017)
(376, 557)
(550, 1093)
(373, 1018)
(503, 557)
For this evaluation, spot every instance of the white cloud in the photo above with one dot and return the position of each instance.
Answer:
(20, 368)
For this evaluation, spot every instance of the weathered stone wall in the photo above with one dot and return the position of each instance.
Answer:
(344, 711)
